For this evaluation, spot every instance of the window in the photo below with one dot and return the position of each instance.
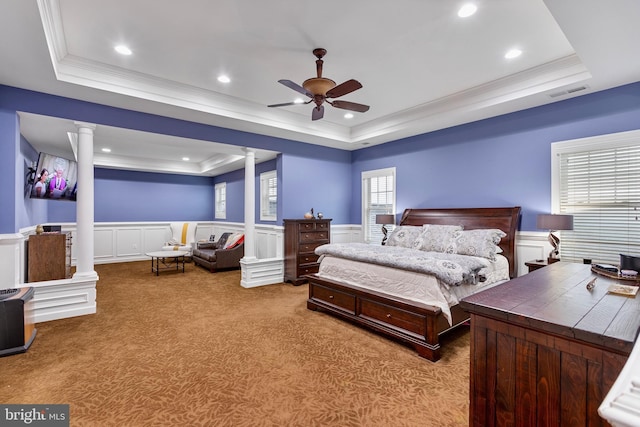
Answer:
(378, 197)
(221, 200)
(597, 180)
(268, 196)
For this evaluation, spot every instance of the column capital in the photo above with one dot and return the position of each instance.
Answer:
(85, 125)
(250, 151)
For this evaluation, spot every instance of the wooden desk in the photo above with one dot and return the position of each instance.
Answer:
(545, 350)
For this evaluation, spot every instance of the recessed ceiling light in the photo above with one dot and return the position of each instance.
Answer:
(467, 10)
(224, 79)
(123, 50)
(186, 159)
(106, 150)
(298, 100)
(348, 116)
(513, 53)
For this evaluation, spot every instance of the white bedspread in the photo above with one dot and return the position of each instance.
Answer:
(410, 285)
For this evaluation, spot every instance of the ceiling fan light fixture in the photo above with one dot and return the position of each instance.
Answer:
(319, 85)
(321, 89)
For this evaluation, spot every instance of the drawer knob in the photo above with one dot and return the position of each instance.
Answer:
(330, 296)
(388, 315)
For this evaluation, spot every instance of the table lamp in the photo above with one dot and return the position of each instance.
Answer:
(385, 219)
(554, 222)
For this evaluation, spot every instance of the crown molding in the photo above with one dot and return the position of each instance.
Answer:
(476, 103)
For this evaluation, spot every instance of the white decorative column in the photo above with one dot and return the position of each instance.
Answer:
(85, 204)
(255, 272)
(59, 299)
(249, 204)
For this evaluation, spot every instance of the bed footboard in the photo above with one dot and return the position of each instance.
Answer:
(418, 325)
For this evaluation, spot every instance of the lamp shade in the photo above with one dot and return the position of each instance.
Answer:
(554, 222)
(386, 219)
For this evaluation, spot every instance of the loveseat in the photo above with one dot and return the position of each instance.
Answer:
(223, 254)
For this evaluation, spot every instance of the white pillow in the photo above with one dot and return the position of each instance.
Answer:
(436, 237)
(404, 236)
(481, 243)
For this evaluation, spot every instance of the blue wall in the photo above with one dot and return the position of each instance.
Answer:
(235, 195)
(502, 161)
(146, 200)
(495, 162)
(10, 160)
(144, 196)
(323, 184)
(122, 196)
(29, 211)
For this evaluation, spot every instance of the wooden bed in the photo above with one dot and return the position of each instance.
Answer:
(416, 324)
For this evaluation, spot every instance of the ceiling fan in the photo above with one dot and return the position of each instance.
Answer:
(320, 89)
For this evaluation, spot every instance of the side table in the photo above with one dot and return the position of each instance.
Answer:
(165, 260)
(536, 264)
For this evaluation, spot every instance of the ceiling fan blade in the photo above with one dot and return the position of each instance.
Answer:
(296, 87)
(284, 104)
(344, 88)
(346, 105)
(317, 113)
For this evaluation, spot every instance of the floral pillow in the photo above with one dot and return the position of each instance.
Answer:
(436, 238)
(404, 236)
(482, 243)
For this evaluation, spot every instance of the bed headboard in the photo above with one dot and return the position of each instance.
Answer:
(505, 219)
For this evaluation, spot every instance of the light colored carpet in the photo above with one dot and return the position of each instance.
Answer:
(197, 349)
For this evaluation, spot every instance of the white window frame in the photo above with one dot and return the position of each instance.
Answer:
(586, 245)
(220, 191)
(269, 196)
(370, 231)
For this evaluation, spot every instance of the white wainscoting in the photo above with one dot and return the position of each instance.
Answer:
(531, 245)
(126, 242)
(11, 260)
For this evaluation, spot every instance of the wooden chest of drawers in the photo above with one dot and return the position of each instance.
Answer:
(301, 238)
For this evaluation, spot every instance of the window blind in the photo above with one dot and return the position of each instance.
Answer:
(221, 200)
(600, 187)
(268, 196)
(379, 198)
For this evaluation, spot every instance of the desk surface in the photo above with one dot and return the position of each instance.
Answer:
(555, 299)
